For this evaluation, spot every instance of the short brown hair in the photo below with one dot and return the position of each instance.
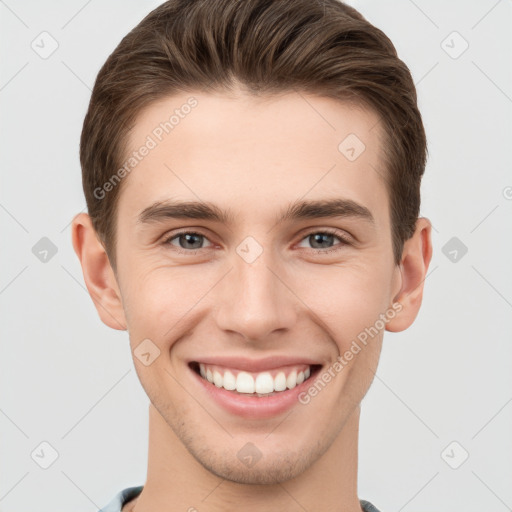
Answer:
(322, 47)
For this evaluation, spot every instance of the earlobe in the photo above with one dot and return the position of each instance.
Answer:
(416, 257)
(98, 274)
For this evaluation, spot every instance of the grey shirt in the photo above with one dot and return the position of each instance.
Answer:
(124, 496)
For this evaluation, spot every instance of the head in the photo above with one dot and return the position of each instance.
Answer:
(289, 134)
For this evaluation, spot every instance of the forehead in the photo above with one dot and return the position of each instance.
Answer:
(255, 153)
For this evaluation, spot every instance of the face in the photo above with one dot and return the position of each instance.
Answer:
(265, 283)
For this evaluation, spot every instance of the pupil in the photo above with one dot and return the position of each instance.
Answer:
(317, 237)
(190, 239)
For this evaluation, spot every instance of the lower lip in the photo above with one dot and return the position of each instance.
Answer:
(253, 406)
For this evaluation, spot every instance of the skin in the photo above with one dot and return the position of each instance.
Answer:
(254, 156)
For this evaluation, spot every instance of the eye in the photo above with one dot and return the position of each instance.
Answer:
(187, 241)
(323, 240)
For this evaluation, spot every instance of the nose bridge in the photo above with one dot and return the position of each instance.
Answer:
(253, 301)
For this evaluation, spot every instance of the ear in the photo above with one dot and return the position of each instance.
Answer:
(416, 257)
(98, 274)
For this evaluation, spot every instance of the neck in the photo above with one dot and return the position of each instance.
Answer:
(176, 481)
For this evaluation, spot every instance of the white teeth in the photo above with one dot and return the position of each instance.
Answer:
(229, 381)
(280, 382)
(244, 383)
(264, 383)
(291, 380)
(217, 379)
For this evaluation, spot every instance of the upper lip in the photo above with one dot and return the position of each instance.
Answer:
(256, 365)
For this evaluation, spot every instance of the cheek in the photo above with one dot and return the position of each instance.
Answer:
(160, 298)
(346, 300)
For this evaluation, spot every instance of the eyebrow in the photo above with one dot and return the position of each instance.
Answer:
(298, 210)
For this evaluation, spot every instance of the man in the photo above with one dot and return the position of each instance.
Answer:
(252, 173)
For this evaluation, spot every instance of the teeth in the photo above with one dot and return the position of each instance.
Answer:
(264, 383)
(229, 381)
(244, 383)
(291, 380)
(261, 384)
(217, 379)
(280, 382)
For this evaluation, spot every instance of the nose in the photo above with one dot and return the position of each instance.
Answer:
(255, 299)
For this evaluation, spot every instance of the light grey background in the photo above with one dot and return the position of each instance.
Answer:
(69, 380)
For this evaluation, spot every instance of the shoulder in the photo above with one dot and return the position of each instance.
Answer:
(368, 507)
(122, 498)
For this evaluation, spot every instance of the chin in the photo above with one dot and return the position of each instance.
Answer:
(274, 470)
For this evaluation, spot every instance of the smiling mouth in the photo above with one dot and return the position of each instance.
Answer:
(257, 384)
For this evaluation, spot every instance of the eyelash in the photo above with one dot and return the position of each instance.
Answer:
(327, 231)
